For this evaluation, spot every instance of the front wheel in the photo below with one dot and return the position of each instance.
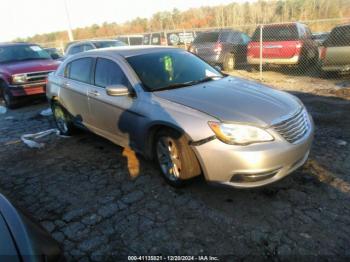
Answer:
(176, 159)
(62, 119)
(10, 101)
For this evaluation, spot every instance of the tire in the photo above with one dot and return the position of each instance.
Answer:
(175, 158)
(307, 60)
(10, 101)
(229, 62)
(62, 119)
(255, 68)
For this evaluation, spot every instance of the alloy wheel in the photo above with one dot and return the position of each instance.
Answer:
(168, 158)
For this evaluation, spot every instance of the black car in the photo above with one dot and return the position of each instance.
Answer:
(54, 53)
(226, 47)
(319, 38)
(21, 239)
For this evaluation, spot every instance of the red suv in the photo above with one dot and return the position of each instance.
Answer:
(23, 71)
(283, 44)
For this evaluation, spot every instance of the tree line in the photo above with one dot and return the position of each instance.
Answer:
(231, 15)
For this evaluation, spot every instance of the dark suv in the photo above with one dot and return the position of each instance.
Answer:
(226, 47)
(283, 44)
(23, 71)
(82, 46)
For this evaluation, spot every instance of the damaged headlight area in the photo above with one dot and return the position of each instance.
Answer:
(239, 134)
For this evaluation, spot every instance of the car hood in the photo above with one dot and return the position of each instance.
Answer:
(235, 100)
(21, 67)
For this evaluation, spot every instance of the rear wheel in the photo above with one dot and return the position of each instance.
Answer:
(176, 159)
(62, 119)
(229, 62)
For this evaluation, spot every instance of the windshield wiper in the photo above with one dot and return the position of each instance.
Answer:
(189, 83)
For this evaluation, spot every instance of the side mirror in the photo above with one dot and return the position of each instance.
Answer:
(117, 90)
(55, 56)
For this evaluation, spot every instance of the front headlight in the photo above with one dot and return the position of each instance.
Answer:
(19, 79)
(239, 134)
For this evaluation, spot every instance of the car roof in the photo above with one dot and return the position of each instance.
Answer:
(220, 31)
(284, 24)
(343, 25)
(15, 44)
(127, 51)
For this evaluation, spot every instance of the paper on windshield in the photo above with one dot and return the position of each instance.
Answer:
(35, 48)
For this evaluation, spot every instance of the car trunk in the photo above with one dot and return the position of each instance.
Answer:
(279, 41)
(274, 49)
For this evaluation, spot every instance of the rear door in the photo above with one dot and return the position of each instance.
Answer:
(279, 41)
(338, 47)
(73, 94)
(106, 110)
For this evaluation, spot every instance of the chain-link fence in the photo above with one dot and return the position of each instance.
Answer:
(316, 49)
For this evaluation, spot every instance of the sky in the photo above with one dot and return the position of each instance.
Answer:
(22, 18)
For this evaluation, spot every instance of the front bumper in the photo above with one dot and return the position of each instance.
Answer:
(28, 89)
(276, 61)
(254, 165)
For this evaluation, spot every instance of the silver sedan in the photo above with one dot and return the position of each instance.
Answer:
(170, 105)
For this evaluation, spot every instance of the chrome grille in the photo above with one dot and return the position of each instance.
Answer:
(294, 128)
(37, 76)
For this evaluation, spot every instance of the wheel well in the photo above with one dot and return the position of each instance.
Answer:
(151, 136)
(2, 82)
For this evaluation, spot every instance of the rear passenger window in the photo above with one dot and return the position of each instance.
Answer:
(87, 47)
(75, 49)
(80, 70)
(246, 39)
(109, 73)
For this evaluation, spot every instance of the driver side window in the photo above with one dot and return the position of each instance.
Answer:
(107, 73)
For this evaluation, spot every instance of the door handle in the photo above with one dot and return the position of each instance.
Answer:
(94, 93)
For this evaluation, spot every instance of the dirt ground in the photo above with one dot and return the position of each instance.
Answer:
(80, 189)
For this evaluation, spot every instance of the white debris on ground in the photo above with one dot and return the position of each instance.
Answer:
(46, 112)
(341, 142)
(9, 118)
(29, 139)
(3, 110)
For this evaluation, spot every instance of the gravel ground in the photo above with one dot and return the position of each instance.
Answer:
(81, 190)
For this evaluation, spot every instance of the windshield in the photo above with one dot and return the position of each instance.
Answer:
(340, 36)
(22, 52)
(167, 69)
(277, 33)
(207, 37)
(104, 44)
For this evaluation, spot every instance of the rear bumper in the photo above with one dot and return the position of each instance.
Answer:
(277, 61)
(28, 89)
(212, 58)
(336, 68)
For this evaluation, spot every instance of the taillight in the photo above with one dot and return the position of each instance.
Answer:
(323, 53)
(218, 48)
(298, 47)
